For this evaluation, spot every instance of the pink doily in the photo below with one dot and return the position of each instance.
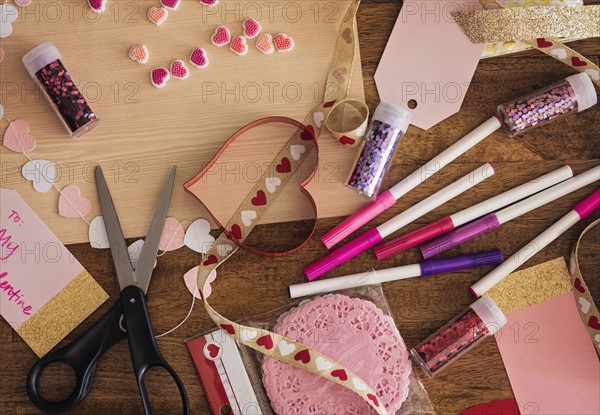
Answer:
(356, 334)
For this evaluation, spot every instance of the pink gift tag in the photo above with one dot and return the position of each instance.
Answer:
(428, 59)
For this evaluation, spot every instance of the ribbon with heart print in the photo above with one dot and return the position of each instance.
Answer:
(587, 308)
(326, 115)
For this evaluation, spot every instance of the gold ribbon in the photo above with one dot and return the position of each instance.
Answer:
(585, 303)
(264, 341)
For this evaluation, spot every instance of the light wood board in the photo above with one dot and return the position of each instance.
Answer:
(143, 130)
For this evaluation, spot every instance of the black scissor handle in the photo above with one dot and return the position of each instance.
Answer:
(145, 353)
(82, 355)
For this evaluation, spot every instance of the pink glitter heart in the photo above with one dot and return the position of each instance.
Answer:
(17, 137)
(159, 77)
(97, 5)
(221, 36)
(191, 282)
(251, 28)
(172, 235)
(199, 58)
(209, 2)
(71, 204)
(179, 70)
(170, 4)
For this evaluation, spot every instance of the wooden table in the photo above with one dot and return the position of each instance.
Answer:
(249, 285)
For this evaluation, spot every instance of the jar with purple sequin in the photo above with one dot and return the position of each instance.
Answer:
(45, 66)
(482, 319)
(388, 125)
(573, 94)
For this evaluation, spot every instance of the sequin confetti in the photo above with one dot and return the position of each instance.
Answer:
(380, 143)
(158, 15)
(251, 28)
(198, 58)
(159, 77)
(283, 43)
(179, 70)
(265, 44)
(221, 36)
(139, 54)
(69, 102)
(539, 108)
(97, 6)
(170, 4)
(239, 46)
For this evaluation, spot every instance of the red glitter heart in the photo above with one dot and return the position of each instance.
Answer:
(308, 134)
(347, 140)
(228, 328)
(578, 62)
(340, 374)
(260, 199)
(265, 341)
(210, 260)
(236, 232)
(284, 166)
(303, 356)
(373, 399)
(543, 43)
(578, 286)
(213, 350)
(594, 323)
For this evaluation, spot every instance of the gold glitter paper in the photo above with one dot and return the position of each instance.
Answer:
(520, 23)
(65, 311)
(532, 285)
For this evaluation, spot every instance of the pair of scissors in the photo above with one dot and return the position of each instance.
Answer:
(128, 318)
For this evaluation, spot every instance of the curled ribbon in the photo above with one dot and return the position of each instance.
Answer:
(332, 107)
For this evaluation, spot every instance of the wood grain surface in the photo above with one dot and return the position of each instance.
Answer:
(248, 285)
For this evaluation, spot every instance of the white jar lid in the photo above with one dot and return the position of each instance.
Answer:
(489, 312)
(584, 91)
(40, 56)
(393, 115)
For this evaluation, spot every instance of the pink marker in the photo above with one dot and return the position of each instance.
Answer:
(375, 235)
(579, 212)
(448, 223)
(571, 95)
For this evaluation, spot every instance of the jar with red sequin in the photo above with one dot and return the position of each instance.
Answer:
(45, 66)
(482, 319)
(571, 95)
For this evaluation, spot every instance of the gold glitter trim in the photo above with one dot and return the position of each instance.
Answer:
(520, 23)
(532, 285)
(65, 311)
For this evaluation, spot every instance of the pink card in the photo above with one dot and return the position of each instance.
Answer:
(428, 60)
(550, 360)
(44, 291)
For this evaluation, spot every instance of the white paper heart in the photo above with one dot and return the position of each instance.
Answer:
(585, 305)
(97, 234)
(359, 385)
(318, 117)
(285, 348)
(8, 14)
(191, 282)
(271, 183)
(224, 249)
(248, 334)
(297, 150)
(323, 364)
(560, 53)
(593, 73)
(248, 216)
(41, 172)
(197, 236)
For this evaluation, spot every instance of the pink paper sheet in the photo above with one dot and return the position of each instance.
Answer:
(550, 360)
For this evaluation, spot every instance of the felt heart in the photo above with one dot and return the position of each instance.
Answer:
(347, 35)
(265, 341)
(71, 204)
(197, 237)
(251, 28)
(172, 235)
(236, 231)
(318, 118)
(594, 323)
(213, 350)
(170, 4)
(284, 166)
(198, 58)
(578, 286)
(283, 43)
(224, 249)
(308, 134)
(593, 73)
(159, 77)
(247, 217)
(97, 5)
(158, 15)
(322, 363)
(578, 62)
(260, 199)
(228, 328)
(285, 348)
(221, 36)
(249, 334)
(190, 279)
(97, 234)
(347, 140)
(302, 356)
(265, 44)
(41, 172)
(585, 305)
(210, 260)
(543, 43)
(296, 150)
(135, 250)
(209, 2)
(560, 53)
(17, 137)
(340, 374)
(139, 54)
(373, 399)
(239, 46)
(359, 385)
(272, 183)
(179, 70)
(8, 14)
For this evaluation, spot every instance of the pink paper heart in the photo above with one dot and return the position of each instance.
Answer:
(191, 282)
(251, 28)
(172, 235)
(97, 5)
(170, 4)
(71, 204)
(17, 137)
(199, 59)
(159, 77)
(179, 70)
(221, 36)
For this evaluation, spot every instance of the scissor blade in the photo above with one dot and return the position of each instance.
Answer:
(145, 266)
(118, 247)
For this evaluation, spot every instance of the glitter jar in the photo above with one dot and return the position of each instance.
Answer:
(387, 127)
(44, 65)
(483, 318)
(573, 94)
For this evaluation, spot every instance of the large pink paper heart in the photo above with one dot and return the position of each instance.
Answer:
(191, 282)
(172, 235)
(17, 137)
(71, 204)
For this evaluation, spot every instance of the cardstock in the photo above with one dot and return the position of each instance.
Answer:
(428, 59)
(44, 291)
(550, 360)
(501, 407)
